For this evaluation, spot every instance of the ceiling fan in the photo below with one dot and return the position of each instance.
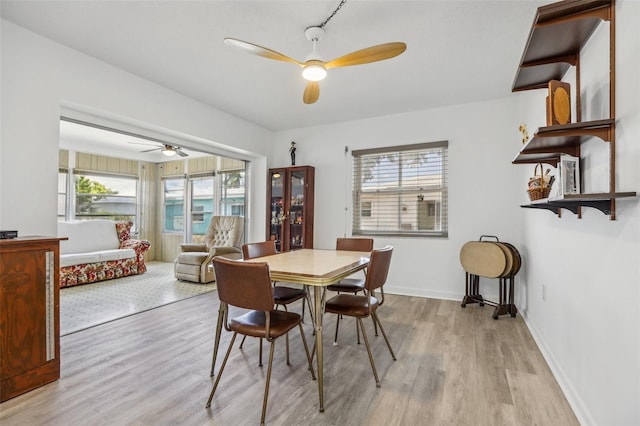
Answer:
(314, 68)
(166, 149)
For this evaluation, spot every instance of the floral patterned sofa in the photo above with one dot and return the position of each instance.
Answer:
(98, 250)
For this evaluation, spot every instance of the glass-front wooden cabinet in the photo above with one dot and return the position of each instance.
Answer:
(290, 194)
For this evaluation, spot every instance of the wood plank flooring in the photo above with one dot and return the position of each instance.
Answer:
(455, 367)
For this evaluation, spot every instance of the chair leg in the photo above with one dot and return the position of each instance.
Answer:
(217, 339)
(224, 362)
(366, 343)
(286, 339)
(377, 319)
(260, 355)
(375, 326)
(308, 302)
(335, 339)
(306, 350)
(266, 385)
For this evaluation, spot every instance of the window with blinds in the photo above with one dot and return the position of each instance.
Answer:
(401, 190)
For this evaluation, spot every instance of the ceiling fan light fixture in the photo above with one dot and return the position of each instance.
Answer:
(169, 151)
(314, 71)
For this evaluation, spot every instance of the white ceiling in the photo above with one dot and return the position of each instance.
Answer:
(97, 140)
(458, 51)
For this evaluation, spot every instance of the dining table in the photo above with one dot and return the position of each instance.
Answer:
(316, 268)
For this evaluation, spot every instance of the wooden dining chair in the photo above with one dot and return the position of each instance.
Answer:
(248, 286)
(363, 306)
(261, 249)
(282, 295)
(351, 285)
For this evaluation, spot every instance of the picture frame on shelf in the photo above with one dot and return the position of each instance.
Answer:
(568, 175)
(558, 103)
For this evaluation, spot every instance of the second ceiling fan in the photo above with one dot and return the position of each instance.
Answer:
(166, 149)
(314, 69)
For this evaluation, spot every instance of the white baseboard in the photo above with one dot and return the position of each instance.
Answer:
(412, 291)
(443, 295)
(577, 404)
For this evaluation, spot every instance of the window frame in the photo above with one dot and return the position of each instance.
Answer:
(196, 230)
(163, 201)
(95, 176)
(387, 214)
(64, 193)
(227, 204)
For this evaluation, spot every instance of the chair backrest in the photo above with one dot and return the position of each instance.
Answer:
(245, 285)
(354, 244)
(252, 250)
(225, 231)
(378, 268)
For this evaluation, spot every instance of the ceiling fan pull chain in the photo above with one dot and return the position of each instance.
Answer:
(332, 15)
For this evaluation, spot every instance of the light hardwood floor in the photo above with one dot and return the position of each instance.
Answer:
(455, 367)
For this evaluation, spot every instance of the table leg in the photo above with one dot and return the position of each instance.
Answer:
(317, 295)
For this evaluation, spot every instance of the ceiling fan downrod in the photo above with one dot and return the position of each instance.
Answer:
(314, 69)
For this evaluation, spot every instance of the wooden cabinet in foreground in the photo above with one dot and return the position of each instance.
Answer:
(29, 314)
(559, 32)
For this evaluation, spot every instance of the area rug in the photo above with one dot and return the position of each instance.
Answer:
(89, 305)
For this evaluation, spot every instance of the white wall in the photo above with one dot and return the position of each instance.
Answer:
(40, 76)
(482, 190)
(588, 325)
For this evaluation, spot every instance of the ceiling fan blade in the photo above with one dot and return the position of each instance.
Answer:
(368, 55)
(311, 92)
(254, 49)
(181, 153)
(142, 143)
(154, 149)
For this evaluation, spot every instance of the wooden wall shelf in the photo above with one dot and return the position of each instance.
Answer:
(559, 32)
(548, 143)
(573, 202)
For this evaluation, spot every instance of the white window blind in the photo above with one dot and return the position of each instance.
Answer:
(401, 190)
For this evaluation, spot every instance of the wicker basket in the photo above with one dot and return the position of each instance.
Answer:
(538, 193)
(538, 188)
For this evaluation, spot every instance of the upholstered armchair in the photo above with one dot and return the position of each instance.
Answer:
(224, 238)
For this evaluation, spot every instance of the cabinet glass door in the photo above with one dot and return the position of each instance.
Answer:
(277, 208)
(296, 209)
